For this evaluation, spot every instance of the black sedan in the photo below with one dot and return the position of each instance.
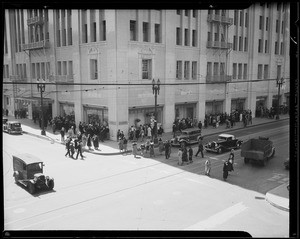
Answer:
(225, 142)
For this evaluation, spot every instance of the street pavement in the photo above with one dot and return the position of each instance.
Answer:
(278, 197)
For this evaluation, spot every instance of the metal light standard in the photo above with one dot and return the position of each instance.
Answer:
(41, 88)
(279, 83)
(155, 89)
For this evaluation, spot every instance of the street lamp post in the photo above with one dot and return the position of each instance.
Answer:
(155, 89)
(41, 88)
(279, 83)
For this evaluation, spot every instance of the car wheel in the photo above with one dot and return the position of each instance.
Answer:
(246, 160)
(31, 188)
(220, 150)
(50, 184)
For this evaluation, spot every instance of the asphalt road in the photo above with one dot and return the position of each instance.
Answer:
(124, 193)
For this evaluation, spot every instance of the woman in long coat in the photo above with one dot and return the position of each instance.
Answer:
(225, 170)
(121, 144)
(160, 146)
(134, 149)
(96, 142)
(89, 141)
(184, 155)
(152, 149)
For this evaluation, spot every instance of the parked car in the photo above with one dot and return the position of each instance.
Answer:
(225, 142)
(12, 127)
(286, 163)
(186, 137)
(4, 120)
(259, 150)
(28, 171)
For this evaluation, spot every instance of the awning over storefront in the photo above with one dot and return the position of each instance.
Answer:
(258, 98)
(33, 100)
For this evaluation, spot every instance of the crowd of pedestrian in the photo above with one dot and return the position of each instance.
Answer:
(20, 113)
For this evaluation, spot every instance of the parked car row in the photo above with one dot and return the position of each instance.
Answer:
(11, 127)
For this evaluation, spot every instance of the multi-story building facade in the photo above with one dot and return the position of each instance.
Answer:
(99, 64)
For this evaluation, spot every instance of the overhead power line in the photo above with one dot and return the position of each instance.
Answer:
(137, 84)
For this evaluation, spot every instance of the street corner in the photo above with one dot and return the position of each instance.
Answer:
(279, 197)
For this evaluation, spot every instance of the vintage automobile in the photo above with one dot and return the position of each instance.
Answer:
(28, 171)
(259, 150)
(4, 120)
(225, 142)
(12, 127)
(186, 137)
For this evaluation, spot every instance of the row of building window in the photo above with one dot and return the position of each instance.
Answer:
(5, 71)
(276, 51)
(186, 12)
(65, 68)
(239, 45)
(146, 31)
(238, 72)
(260, 71)
(236, 18)
(261, 24)
(186, 73)
(21, 70)
(218, 68)
(186, 37)
(279, 4)
(40, 70)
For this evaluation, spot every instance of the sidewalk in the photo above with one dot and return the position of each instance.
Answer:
(278, 197)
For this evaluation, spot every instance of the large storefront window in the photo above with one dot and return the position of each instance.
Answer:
(261, 104)
(96, 115)
(214, 107)
(238, 104)
(143, 116)
(185, 111)
(66, 109)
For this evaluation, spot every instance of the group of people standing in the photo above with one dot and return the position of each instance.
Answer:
(74, 145)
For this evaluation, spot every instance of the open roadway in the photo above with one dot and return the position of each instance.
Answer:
(124, 193)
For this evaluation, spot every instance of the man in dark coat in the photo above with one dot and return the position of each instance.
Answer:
(200, 125)
(68, 147)
(167, 149)
(225, 170)
(184, 155)
(200, 147)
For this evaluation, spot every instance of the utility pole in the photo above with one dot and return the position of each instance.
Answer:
(279, 83)
(41, 88)
(155, 89)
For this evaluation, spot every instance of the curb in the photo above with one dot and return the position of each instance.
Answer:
(119, 153)
(252, 125)
(274, 204)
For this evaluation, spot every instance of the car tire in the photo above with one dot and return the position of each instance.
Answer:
(220, 150)
(50, 184)
(31, 188)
